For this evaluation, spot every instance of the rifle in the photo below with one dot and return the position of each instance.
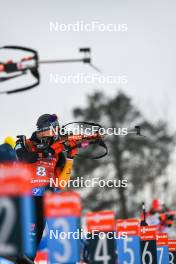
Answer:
(82, 145)
(91, 145)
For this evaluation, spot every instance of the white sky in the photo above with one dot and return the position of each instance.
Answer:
(145, 53)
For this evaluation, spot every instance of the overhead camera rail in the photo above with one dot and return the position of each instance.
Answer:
(30, 64)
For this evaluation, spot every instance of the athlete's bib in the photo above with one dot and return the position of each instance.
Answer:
(43, 171)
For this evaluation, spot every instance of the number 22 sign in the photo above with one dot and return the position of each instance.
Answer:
(16, 210)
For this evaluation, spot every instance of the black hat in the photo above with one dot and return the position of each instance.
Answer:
(45, 121)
